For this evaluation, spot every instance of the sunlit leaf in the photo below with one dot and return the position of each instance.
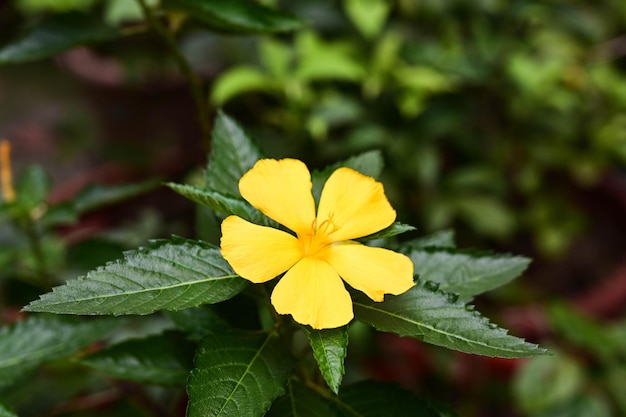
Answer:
(237, 81)
(6, 412)
(238, 374)
(168, 275)
(435, 317)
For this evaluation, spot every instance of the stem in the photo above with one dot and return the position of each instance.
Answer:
(195, 82)
(30, 228)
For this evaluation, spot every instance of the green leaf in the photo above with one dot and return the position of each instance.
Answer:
(441, 239)
(164, 359)
(221, 203)
(32, 188)
(237, 16)
(169, 275)
(97, 196)
(368, 163)
(435, 317)
(464, 273)
(393, 230)
(198, 322)
(237, 81)
(238, 374)
(330, 348)
(57, 33)
(41, 338)
(233, 154)
(369, 16)
(301, 401)
(6, 412)
(382, 399)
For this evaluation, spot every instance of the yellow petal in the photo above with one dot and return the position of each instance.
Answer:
(257, 253)
(354, 204)
(375, 271)
(281, 189)
(313, 294)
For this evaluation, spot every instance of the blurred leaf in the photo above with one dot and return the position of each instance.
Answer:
(583, 405)
(465, 273)
(236, 16)
(442, 239)
(237, 81)
(368, 163)
(319, 60)
(6, 412)
(57, 33)
(301, 401)
(276, 56)
(164, 359)
(221, 203)
(56, 6)
(41, 338)
(435, 317)
(96, 196)
(330, 347)
(197, 322)
(32, 188)
(487, 215)
(238, 374)
(395, 229)
(383, 399)
(168, 275)
(233, 153)
(547, 382)
(369, 16)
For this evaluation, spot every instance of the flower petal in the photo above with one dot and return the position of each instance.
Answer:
(257, 253)
(313, 294)
(281, 189)
(354, 204)
(375, 271)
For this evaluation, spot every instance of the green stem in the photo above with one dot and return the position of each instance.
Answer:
(195, 82)
(34, 240)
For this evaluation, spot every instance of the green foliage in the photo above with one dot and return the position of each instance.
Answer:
(5, 412)
(330, 348)
(168, 275)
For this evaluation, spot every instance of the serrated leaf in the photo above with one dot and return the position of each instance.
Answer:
(197, 322)
(164, 359)
(221, 203)
(57, 33)
(41, 338)
(382, 399)
(237, 16)
(169, 275)
(435, 317)
(233, 154)
(330, 348)
(6, 412)
(368, 163)
(393, 230)
(465, 273)
(301, 401)
(441, 239)
(238, 374)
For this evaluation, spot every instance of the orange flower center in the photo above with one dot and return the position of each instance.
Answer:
(319, 236)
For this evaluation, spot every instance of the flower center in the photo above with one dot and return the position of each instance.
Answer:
(314, 241)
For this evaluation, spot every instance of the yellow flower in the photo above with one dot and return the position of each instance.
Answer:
(322, 253)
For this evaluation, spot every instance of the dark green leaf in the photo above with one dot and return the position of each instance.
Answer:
(5, 412)
(465, 273)
(301, 401)
(96, 196)
(42, 338)
(238, 374)
(169, 275)
(197, 322)
(221, 203)
(32, 187)
(368, 163)
(57, 33)
(164, 359)
(435, 317)
(236, 16)
(442, 239)
(381, 399)
(329, 348)
(233, 153)
(393, 230)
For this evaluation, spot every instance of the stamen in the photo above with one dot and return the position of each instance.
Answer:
(6, 178)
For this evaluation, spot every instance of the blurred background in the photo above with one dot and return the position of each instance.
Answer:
(503, 120)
